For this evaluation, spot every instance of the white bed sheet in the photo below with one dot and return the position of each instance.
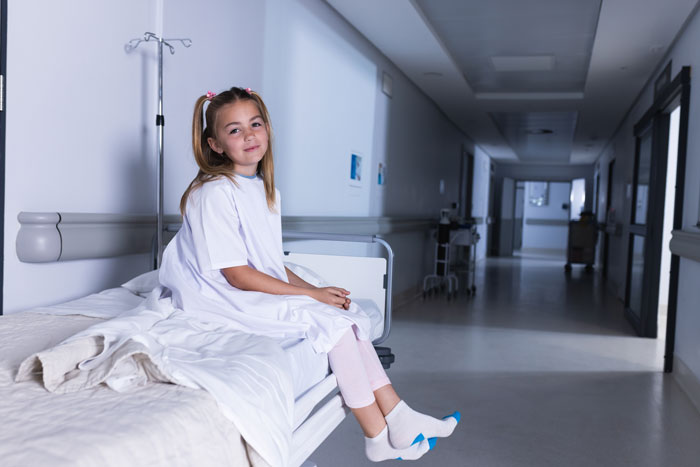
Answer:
(308, 367)
(161, 424)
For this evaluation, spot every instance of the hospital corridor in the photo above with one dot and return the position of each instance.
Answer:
(339, 233)
(546, 370)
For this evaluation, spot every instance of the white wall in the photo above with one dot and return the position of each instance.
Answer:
(319, 76)
(547, 236)
(683, 53)
(79, 134)
(322, 85)
(224, 53)
(81, 118)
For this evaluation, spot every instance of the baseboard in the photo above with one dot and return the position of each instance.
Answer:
(687, 380)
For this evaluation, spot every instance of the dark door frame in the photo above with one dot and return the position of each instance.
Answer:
(3, 113)
(675, 93)
(609, 229)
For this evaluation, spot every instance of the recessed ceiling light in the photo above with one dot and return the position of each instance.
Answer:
(523, 63)
(433, 74)
(539, 131)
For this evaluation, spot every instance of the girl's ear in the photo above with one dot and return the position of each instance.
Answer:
(216, 147)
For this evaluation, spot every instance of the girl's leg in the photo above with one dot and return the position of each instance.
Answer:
(384, 392)
(405, 424)
(346, 363)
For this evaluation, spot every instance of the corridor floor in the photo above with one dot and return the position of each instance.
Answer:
(545, 370)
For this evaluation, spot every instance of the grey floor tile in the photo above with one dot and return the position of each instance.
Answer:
(545, 371)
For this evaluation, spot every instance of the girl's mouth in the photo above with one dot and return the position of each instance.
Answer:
(252, 148)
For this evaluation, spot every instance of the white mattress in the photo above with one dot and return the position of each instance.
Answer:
(161, 424)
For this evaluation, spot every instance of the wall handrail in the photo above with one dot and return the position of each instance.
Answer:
(47, 237)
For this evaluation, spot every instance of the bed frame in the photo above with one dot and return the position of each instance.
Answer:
(321, 409)
(365, 277)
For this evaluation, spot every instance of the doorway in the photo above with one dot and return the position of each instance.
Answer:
(518, 215)
(546, 209)
(610, 220)
(669, 205)
(654, 196)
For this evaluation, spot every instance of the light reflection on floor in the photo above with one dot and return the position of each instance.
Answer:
(545, 370)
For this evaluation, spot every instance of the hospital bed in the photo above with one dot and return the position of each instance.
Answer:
(164, 424)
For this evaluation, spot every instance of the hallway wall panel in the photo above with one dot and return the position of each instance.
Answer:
(683, 53)
(323, 86)
(79, 133)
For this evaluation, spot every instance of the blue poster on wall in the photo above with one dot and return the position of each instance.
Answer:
(356, 168)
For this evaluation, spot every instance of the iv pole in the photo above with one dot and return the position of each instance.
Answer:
(160, 123)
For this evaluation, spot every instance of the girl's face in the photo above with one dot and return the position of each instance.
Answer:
(242, 135)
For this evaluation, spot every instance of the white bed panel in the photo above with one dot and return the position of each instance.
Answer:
(362, 276)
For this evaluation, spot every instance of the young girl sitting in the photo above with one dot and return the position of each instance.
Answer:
(227, 260)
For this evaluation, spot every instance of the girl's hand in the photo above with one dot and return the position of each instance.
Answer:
(334, 296)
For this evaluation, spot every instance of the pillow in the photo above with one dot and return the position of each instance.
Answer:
(143, 283)
(306, 274)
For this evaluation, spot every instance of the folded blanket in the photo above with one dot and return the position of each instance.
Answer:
(247, 375)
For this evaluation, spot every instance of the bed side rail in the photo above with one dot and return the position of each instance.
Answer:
(293, 235)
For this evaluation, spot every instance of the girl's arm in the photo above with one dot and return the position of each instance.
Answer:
(296, 280)
(247, 278)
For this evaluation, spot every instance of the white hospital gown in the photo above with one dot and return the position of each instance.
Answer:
(227, 225)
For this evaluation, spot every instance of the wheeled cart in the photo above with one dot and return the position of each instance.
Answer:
(444, 274)
(442, 277)
(468, 237)
(583, 236)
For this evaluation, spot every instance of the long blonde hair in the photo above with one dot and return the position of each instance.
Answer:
(213, 165)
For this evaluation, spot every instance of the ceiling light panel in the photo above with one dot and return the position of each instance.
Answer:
(523, 63)
(515, 46)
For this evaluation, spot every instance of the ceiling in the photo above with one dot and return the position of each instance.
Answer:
(536, 81)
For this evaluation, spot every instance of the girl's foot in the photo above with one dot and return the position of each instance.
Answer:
(406, 425)
(380, 449)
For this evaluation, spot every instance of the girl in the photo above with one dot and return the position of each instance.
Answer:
(227, 261)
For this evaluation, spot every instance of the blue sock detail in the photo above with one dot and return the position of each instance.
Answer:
(457, 416)
(419, 438)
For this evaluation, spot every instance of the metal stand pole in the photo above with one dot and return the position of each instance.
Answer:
(160, 124)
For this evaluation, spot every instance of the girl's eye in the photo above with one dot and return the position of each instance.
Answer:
(256, 124)
(234, 131)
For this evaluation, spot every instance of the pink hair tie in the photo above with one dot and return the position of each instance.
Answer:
(249, 91)
(210, 95)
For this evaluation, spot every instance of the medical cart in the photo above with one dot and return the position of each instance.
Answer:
(583, 236)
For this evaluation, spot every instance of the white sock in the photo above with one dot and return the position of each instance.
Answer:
(406, 425)
(379, 449)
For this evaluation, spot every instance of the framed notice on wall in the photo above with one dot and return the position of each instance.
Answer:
(355, 169)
